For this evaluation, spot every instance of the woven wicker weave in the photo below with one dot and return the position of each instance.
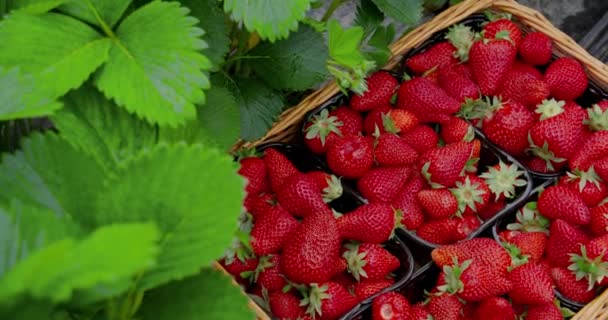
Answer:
(288, 124)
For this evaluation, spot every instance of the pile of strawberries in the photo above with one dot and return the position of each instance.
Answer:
(479, 281)
(306, 260)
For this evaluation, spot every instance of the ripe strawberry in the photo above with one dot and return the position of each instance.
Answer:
(474, 281)
(587, 184)
(599, 220)
(426, 100)
(547, 311)
(285, 306)
(558, 202)
(407, 202)
(271, 230)
(260, 205)
(524, 88)
(507, 126)
(352, 122)
(422, 138)
(456, 130)
(339, 266)
(495, 308)
(437, 56)
(520, 66)
(254, 170)
(445, 307)
(345, 280)
(240, 267)
(601, 167)
(595, 148)
(369, 261)
(591, 262)
(392, 150)
(566, 79)
(328, 300)
(530, 246)
(328, 185)
(419, 312)
(382, 184)
(311, 250)
(400, 120)
(368, 288)
(539, 165)
(438, 231)
(502, 179)
(503, 29)
(570, 287)
(531, 285)
(321, 131)
(443, 166)
(381, 86)
(390, 306)
(536, 49)
(268, 274)
(484, 250)
(279, 168)
(299, 195)
(457, 85)
(351, 157)
(472, 194)
(490, 62)
(564, 239)
(375, 119)
(438, 203)
(372, 223)
(597, 116)
(465, 226)
(492, 209)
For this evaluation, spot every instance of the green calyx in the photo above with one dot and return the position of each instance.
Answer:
(584, 177)
(247, 153)
(356, 261)
(479, 109)
(333, 190)
(598, 118)
(322, 125)
(313, 299)
(583, 267)
(550, 108)
(529, 220)
(264, 263)
(544, 153)
(389, 124)
(461, 37)
(517, 258)
(468, 195)
(503, 180)
(427, 175)
(398, 216)
(239, 249)
(452, 274)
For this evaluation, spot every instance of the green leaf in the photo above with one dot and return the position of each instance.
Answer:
(51, 173)
(98, 127)
(296, 63)
(194, 195)
(213, 20)
(406, 11)
(155, 68)
(57, 270)
(434, 5)
(279, 17)
(20, 98)
(210, 295)
(61, 52)
(344, 43)
(36, 6)
(260, 108)
(98, 12)
(377, 48)
(29, 309)
(368, 16)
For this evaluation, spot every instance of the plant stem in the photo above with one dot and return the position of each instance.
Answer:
(242, 46)
(332, 7)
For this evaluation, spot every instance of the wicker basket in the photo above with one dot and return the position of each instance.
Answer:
(289, 122)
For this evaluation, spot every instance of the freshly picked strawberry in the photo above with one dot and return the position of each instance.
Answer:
(526, 247)
(371, 223)
(457, 85)
(523, 88)
(445, 307)
(473, 280)
(443, 166)
(531, 285)
(392, 150)
(375, 118)
(352, 122)
(502, 179)
(268, 274)
(503, 29)
(419, 312)
(597, 116)
(492, 209)
(399, 120)
(384, 183)
(591, 262)
(587, 184)
(328, 185)
(599, 220)
(299, 195)
(321, 131)
(368, 288)
(328, 300)
(472, 194)
(390, 306)
(279, 168)
(566, 79)
(439, 55)
(422, 138)
(490, 60)
(564, 239)
(351, 157)
(570, 287)
(426, 100)
(536, 49)
(456, 130)
(495, 308)
(271, 230)
(407, 202)
(381, 86)
(369, 261)
(438, 231)
(547, 311)
(465, 226)
(254, 170)
(240, 263)
(461, 37)
(559, 202)
(484, 250)
(438, 203)
(285, 306)
(593, 150)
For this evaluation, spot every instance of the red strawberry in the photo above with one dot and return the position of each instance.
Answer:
(547, 311)
(268, 273)
(254, 170)
(279, 168)
(407, 201)
(492, 209)
(570, 287)
(372, 223)
(368, 288)
(390, 306)
(530, 245)
(439, 231)
(328, 185)
(285, 306)
(591, 262)
(311, 250)
(495, 308)
(392, 150)
(539, 165)
(445, 307)
(536, 49)
(587, 184)
(558, 202)
(599, 220)
(438, 203)
(503, 29)
(597, 116)
(260, 205)
(472, 194)
(457, 85)
(437, 56)
(352, 122)
(339, 267)
(271, 230)
(321, 131)
(400, 120)
(370, 261)
(422, 138)
(426, 100)
(381, 86)
(346, 280)
(328, 300)
(351, 157)
(300, 196)
(595, 148)
(419, 312)
(564, 239)
(566, 79)
(502, 179)
(382, 184)
(490, 62)
(524, 88)
(375, 119)
(531, 285)
(520, 66)
(485, 250)
(443, 166)
(456, 130)
(507, 126)
(474, 281)
(465, 226)
(241, 268)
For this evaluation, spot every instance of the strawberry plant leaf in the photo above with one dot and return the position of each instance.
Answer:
(260, 107)
(368, 16)
(280, 17)
(103, 13)
(208, 295)
(407, 11)
(29, 309)
(344, 43)
(298, 62)
(20, 98)
(376, 48)
(158, 77)
(35, 6)
(61, 52)
(166, 184)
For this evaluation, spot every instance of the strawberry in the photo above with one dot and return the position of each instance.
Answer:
(564, 239)
(381, 86)
(438, 203)
(271, 230)
(491, 209)
(587, 184)
(530, 246)
(328, 185)
(240, 267)
(601, 167)
(299, 195)
(392, 150)
(461, 37)
(382, 184)
(531, 285)
(495, 308)
(520, 66)
(346, 280)
(503, 29)
(539, 165)
(351, 157)
(279, 168)
(285, 306)
(456, 130)
(368, 288)
(426, 100)
(437, 56)
(268, 273)
(536, 49)
(369, 261)
(559, 202)
(502, 179)
(472, 194)
(372, 223)
(595, 148)
(547, 311)
(490, 61)
(443, 166)
(400, 120)
(376, 119)
(261, 204)
(474, 281)
(445, 307)
(352, 122)
(597, 116)
(438, 231)
(570, 287)
(390, 306)
(312, 248)
(419, 312)
(523, 88)
(465, 226)
(591, 262)
(599, 220)
(566, 79)
(328, 300)
(407, 202)
(484, 250)
(457, 85)
(422, 138)
(254, 170)
(321, 131)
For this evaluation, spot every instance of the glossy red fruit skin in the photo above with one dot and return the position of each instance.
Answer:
(465, 226)
(403, 120)
(599, 220)
(352, 121)
(591, 194)
(559, 202)
(390, 306)
(445, 307)
(383, 183)
(260, 205)
(566, 79)
(569, 287)
(426, 100)
(592, 150)
(392, 150)
(285, 305)
(563, 240)
(561, 133)
(368, 288)
(490, 62)
(379, 261)
(531, 285)
(536, 49)
(438, 203)
(271, 278)
(381, 86)
(339, 302)
(455, 130)
(440, 232)
(492, 209)
(495, 28)
(279, 168)
(254, 169)
(508, 128)
(495, 308)
(445, 164)
(373, 119)
(457, 85)
(485, 250)
(532, 244)
(520, 66)
(438, 55)
(524, 88)
(371, 223)
(407, 201)
(351, 157)
(236, 267)
(482, 282)
(271, 230)
(419, 312)
(315, 144)
(422, 138)
(548, 311)
(300, 196)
